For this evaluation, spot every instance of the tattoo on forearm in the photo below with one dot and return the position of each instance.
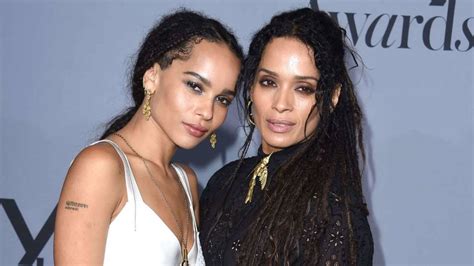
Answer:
(74, 206)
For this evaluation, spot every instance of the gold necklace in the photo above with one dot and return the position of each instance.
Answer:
(261, 172)
(183, 240)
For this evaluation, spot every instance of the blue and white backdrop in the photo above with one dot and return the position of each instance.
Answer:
(63, 69)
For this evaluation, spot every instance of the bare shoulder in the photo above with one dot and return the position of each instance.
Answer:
(95, 173)
(98, 163)
(192, 177)
(98, 156)
(189, 172)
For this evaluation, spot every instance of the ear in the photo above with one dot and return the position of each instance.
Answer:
(151, 78)
(336, 94)
(250, 95)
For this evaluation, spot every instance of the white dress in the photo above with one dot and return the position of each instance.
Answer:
(138, 236)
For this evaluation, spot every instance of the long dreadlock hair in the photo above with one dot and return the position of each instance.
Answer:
(332, 151)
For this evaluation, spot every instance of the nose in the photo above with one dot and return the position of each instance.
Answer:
(282, 100)
(205, 109)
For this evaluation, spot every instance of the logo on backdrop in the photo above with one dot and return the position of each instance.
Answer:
(362, 28)
(32, 246)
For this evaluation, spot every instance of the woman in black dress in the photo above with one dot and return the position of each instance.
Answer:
(299, 200)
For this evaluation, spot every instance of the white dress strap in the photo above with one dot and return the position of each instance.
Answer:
(130, 183)
(183, 177)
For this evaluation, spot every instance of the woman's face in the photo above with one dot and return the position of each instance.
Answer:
(192, 96)
(283, 94)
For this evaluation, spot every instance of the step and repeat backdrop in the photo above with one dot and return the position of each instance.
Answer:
(63, 75)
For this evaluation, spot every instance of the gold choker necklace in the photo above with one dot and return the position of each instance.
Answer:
(261, 172)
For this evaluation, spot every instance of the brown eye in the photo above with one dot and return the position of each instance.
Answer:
(194, 86)
(306, 90)
(224, 100)
(267, 83)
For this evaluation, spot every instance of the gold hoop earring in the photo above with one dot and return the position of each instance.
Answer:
(146, 106)
(249, 113)
(213, 140)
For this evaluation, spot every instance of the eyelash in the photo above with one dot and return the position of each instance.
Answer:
(270, 83)
(224, 100)
(306, 90)
(265, 83)
(194, 86)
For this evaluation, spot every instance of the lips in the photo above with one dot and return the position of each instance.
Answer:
(279, 126)
(195, 130)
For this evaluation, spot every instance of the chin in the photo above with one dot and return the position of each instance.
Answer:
(187, 145)
(280, 144)
(281, 141)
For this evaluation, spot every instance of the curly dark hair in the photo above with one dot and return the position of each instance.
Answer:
(173, 37)
(333, 151)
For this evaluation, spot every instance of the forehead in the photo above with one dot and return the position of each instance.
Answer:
(208, 50)
(206, 56)
(212, 61)
(290, 54)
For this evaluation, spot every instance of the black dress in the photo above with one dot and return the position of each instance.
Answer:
(225, 218)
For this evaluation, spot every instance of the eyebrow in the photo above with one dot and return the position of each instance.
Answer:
(228, 92)
(297, 77)
(208, 82)
(268, 71)
(201, 78)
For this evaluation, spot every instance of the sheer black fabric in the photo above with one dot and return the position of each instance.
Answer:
(225, 218)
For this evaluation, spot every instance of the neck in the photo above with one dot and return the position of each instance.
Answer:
(149, 140)
(267, 149)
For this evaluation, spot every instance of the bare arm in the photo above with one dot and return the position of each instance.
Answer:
(91, 193)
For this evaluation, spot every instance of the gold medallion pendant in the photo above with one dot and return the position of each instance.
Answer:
(184, 256)
(261, 172)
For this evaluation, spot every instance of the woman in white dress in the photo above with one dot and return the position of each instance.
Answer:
(123, 201)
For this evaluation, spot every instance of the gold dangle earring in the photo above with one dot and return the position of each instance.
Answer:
(249, 113)
(335, 97)
(213, 140)
(146, 106)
